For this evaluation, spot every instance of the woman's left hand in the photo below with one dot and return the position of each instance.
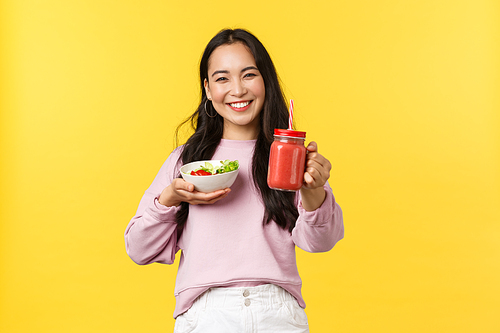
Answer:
(317, 169)
(317, 172)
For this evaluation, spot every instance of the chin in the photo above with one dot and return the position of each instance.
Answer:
(243, 122)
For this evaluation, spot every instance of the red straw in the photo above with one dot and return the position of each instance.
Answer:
(290, 118)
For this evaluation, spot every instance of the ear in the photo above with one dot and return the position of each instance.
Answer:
(207, 89)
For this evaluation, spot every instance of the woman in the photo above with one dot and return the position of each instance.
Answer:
(237, 270)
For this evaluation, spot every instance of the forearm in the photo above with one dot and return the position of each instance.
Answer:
(321, 229)
(151, 236)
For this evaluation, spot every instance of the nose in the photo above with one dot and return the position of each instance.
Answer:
(238, 88)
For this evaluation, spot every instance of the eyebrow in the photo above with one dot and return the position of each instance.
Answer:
(227, 72)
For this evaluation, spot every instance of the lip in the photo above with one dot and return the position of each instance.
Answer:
(240, 109)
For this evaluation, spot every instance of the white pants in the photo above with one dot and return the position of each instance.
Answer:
(262, 309)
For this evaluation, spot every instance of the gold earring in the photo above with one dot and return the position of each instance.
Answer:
(207, 111)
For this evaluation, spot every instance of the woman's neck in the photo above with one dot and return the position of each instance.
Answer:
(242, 133)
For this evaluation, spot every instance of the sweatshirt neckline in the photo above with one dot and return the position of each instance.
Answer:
(237, 143)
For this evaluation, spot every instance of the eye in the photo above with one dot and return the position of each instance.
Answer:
(220, 79)
(250, 75)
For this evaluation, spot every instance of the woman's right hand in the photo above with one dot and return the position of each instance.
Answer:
(182, 191)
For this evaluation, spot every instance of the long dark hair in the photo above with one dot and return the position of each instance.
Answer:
(280, 206)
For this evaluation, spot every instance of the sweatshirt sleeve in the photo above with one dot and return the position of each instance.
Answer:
(151, 235)
(321, 229)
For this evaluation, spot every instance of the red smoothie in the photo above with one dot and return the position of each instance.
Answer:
(287, 160)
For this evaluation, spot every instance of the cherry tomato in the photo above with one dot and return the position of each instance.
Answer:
(200, 173)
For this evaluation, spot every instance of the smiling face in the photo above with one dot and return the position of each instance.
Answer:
(236, 89)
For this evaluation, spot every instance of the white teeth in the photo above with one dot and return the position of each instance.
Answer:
(239, 105)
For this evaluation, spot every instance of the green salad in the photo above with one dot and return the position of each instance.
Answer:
(209, 169)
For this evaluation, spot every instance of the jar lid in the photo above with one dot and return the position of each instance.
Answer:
(289, 133)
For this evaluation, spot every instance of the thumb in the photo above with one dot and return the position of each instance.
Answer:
(312, 146)
(188, 187)
(181, 184)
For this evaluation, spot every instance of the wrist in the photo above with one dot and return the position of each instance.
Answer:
(168, 203)
(312, 199)
(166, 198)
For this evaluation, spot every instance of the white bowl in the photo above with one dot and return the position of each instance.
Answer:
(208, 183)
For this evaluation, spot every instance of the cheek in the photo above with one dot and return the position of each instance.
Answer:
(260, 89)
(217, 95)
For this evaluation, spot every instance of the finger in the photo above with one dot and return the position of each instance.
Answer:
(308, 180)
(205, 197)
(311, 182)
(316, 174)
(316, 159)
(218, 198)
(209, 198)
(312, 146)
(181, 184)
(321, 163)
(209, 202)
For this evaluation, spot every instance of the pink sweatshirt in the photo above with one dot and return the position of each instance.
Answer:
(226, 243)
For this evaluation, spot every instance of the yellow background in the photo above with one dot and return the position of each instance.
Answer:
(402, 97)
